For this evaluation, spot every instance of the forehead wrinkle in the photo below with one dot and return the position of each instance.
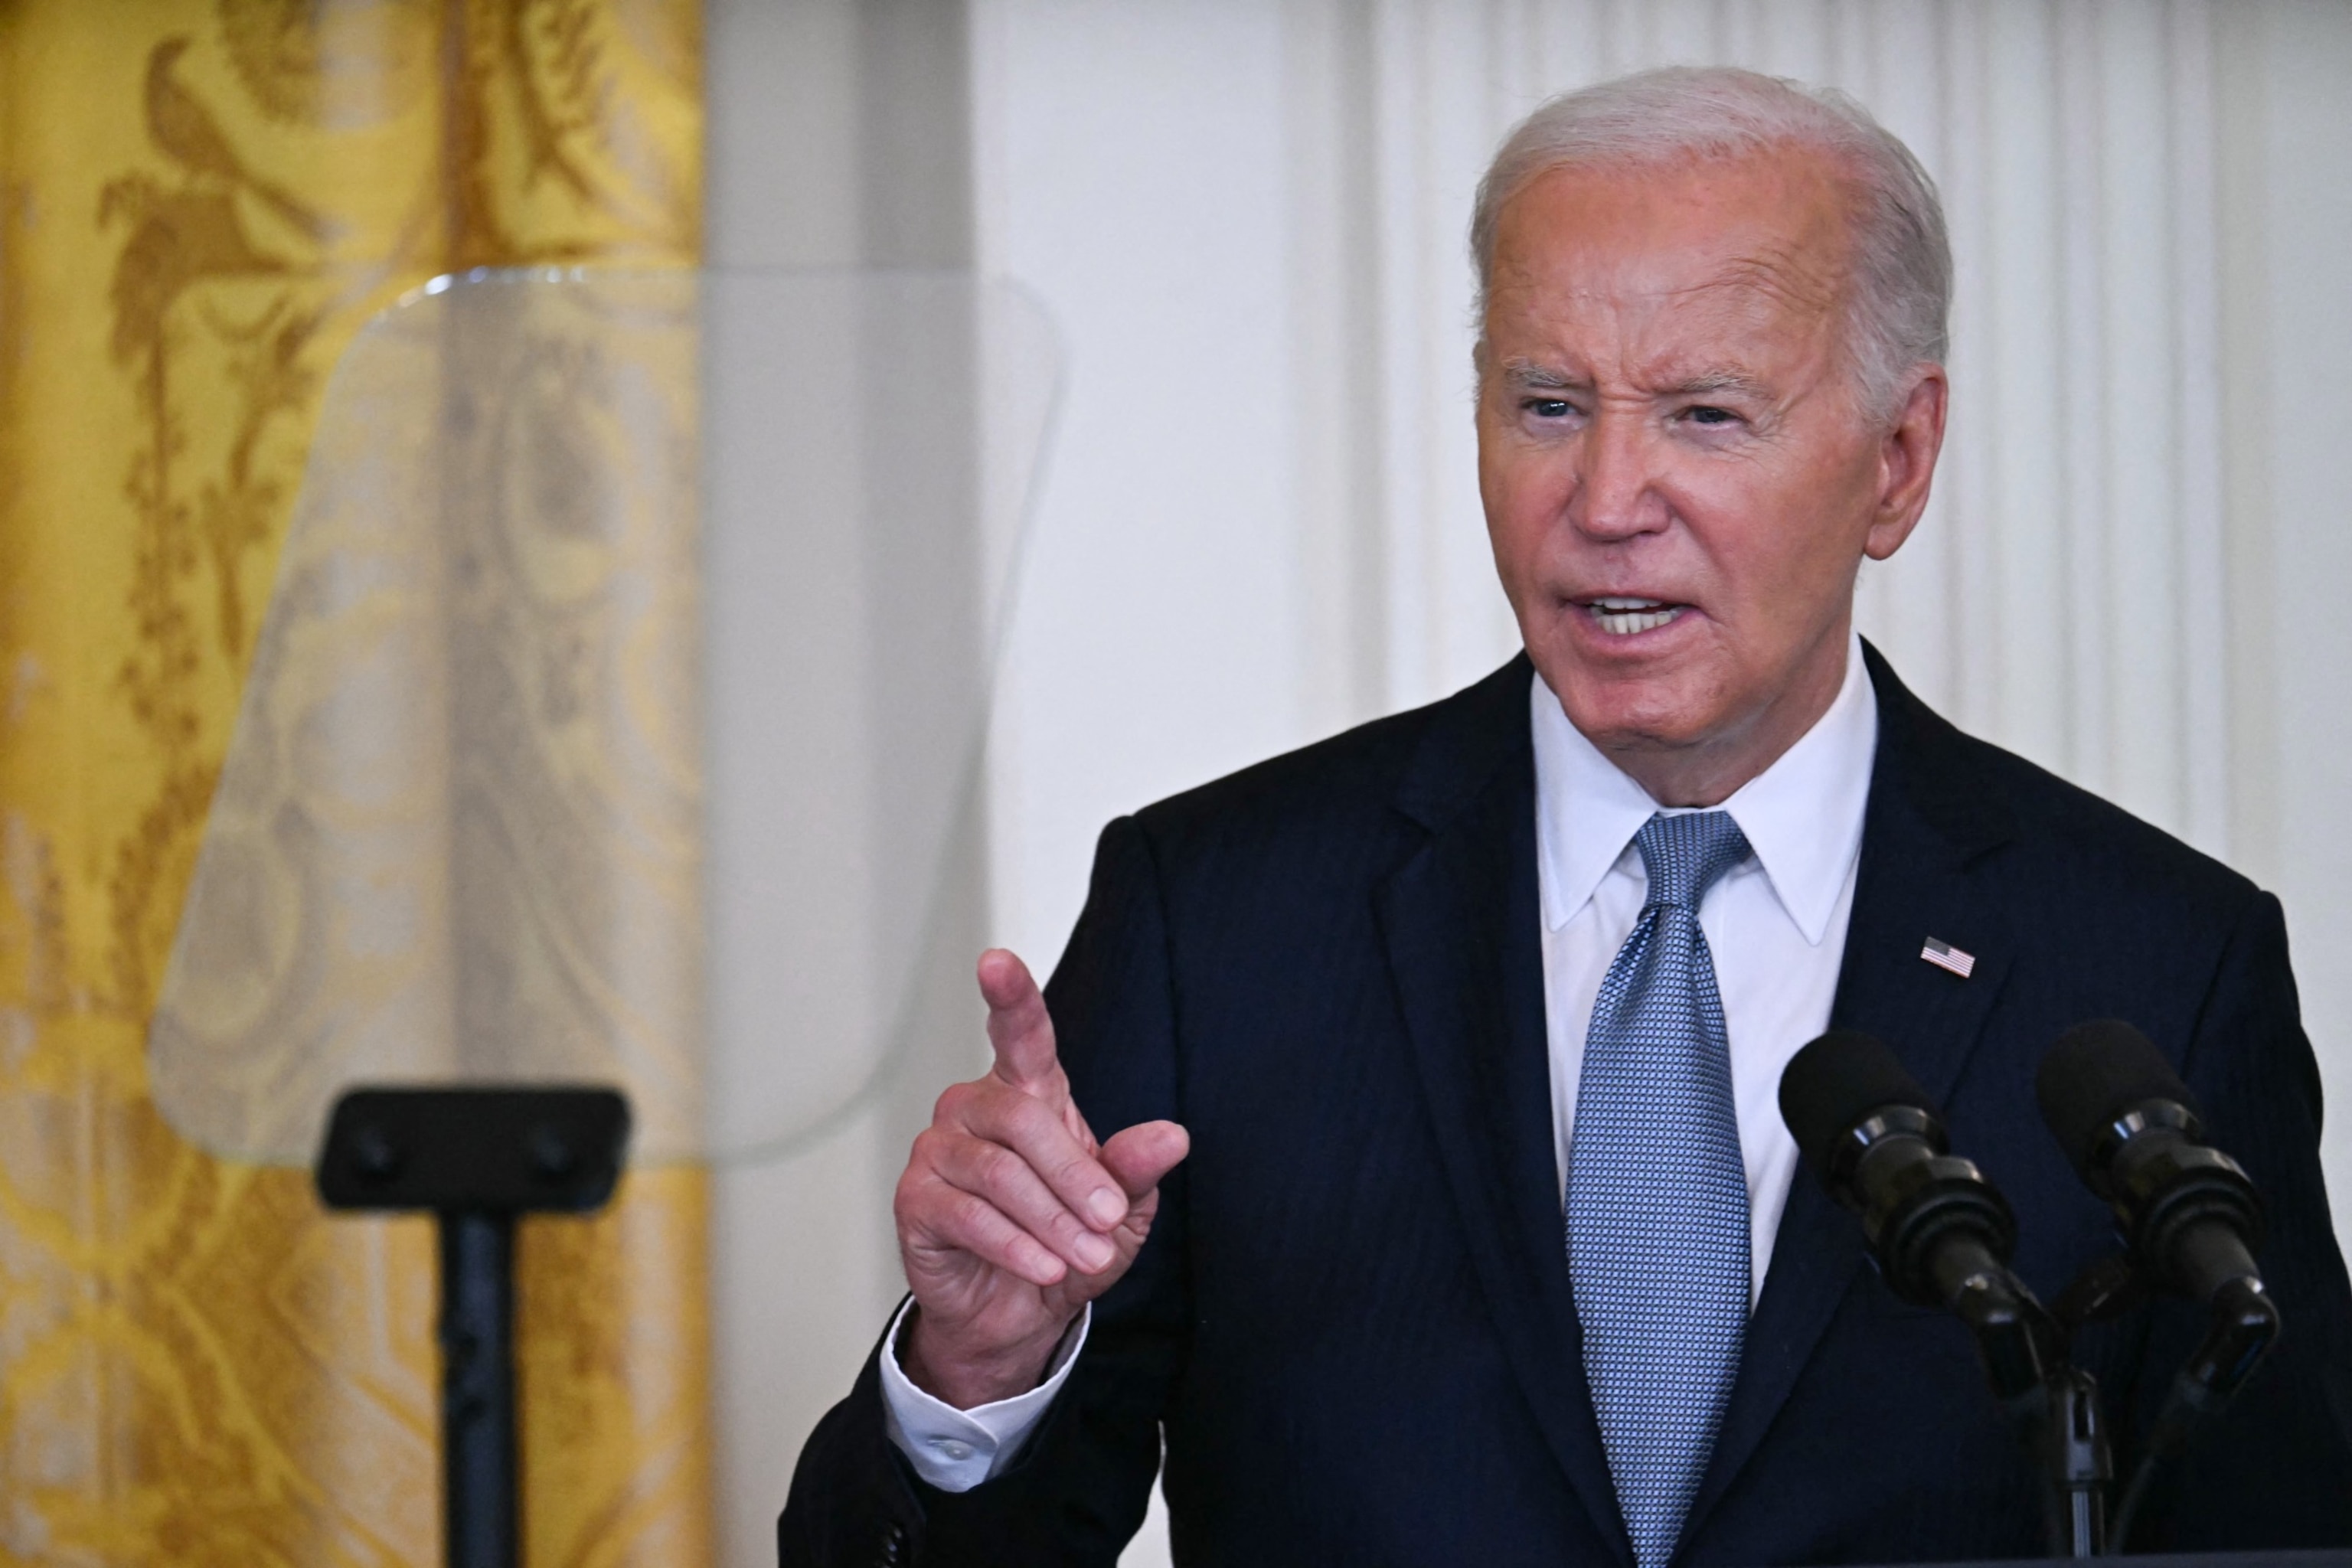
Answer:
(1771, 286)
(1809, 269)
(1774, 281)
(1779, 277)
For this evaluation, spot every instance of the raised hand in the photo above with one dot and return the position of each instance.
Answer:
(1010, 1217)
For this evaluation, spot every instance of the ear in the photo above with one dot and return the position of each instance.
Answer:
(1907, 462)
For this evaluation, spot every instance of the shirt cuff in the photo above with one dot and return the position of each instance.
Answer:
(955, 1450)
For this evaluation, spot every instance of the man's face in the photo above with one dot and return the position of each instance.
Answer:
(1679, 483)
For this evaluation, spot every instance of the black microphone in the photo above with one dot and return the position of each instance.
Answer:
(1874, 1139)
(1940, 1233)
(2190, 1219)
(2189, 1215)
(1942, 1236)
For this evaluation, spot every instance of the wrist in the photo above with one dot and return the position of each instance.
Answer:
(967, 1375)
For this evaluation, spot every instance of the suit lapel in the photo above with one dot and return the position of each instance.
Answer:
(1925, 826)
(1461, 925)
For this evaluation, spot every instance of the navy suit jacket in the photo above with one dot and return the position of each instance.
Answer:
(1353, 1321)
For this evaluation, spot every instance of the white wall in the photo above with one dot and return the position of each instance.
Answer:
(1132, 174)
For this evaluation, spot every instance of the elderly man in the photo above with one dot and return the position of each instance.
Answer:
(1447, 1215)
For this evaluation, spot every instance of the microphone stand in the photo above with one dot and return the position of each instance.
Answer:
(2053, 1404)
(2080, 1460)
(2244, 1325)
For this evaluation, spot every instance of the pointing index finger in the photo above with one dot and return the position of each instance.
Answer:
(1018, 1026)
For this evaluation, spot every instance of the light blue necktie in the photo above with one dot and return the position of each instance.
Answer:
(1657, 1197)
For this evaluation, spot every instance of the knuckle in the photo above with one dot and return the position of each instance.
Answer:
(1033, 1122)
(997, 1166)
(935, 1151)
(911, 1205)
(974, 1217)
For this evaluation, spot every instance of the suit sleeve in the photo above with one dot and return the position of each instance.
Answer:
(2270, 1470)
(1079, 1489)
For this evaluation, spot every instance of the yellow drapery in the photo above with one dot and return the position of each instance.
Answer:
(200, 201)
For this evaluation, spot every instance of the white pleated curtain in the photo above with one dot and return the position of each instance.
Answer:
(2068, 594)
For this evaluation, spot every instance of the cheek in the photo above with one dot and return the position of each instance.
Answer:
(1525, 498)
(1781, 548)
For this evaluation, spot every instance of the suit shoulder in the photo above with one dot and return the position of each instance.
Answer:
(2058, 844)
(2084, 837)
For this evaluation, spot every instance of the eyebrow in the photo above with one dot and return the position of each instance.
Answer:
(1528, 377)
(1708, 381)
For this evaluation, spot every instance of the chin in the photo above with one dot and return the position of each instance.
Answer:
(1621, 712)
(1621, 708)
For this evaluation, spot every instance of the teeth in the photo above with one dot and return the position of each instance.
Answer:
(1623, 617)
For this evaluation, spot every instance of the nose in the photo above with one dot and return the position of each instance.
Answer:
(1617, 493)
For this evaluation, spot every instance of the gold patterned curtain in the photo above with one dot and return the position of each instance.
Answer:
(200, 202)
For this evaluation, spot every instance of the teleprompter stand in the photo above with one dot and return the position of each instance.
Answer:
(478, 1157)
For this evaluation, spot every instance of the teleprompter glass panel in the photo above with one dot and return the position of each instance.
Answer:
(619, 704)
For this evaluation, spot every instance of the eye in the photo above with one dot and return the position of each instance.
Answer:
(1708, 415)
(1549, 408)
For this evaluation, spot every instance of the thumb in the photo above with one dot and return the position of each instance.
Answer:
(1140, 1157)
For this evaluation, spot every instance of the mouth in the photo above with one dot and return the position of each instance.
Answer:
(1620, 616)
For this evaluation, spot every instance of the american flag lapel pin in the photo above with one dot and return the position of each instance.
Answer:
(1943, 956)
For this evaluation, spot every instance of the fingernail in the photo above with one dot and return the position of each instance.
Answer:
(1094, 1252)
(1107, 1206)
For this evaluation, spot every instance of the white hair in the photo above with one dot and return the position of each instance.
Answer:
(1901, 256)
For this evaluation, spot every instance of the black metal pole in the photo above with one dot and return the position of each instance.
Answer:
(478, 1405)
(476, 1156)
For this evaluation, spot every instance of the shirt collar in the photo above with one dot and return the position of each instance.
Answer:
(1803, 816)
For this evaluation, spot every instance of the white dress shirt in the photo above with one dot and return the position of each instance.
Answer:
(955, 1450)
(1775, 925)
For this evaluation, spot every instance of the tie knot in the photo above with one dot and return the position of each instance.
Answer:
(1685, 855)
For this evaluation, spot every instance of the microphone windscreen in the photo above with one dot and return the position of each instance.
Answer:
(2094, 1074)
(1835, 1082)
